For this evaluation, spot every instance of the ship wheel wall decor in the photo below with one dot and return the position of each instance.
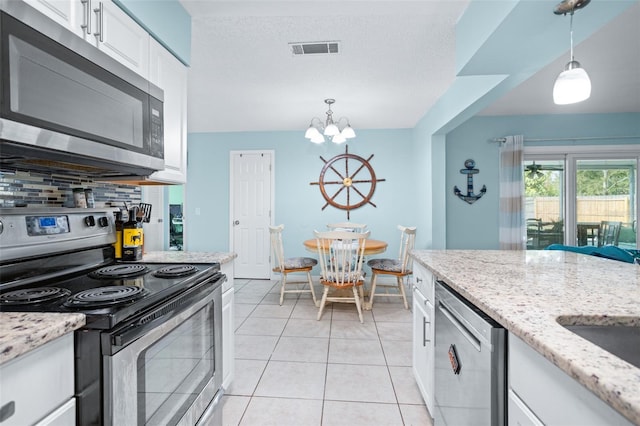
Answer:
(347, 181)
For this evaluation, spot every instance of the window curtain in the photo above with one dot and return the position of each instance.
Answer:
(512, 226)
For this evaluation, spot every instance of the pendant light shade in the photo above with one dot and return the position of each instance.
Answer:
(572, 85)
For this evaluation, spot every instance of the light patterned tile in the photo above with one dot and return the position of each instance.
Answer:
(233, 408)
(356, 351)
(353, 330)
(416, 415)
(303, 349)
(272, 311)
(292, 380)
(262, 326)
(338, 413)
(247, 375)
(405, 385)
(283, 412)
(363, 383)
(307, 328)
(254, 347)
(398, 352)
(383, 313)
(395, 331)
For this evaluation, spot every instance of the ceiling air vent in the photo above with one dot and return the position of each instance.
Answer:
(315, 47)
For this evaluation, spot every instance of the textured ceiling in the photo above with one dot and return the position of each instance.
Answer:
(611, 57)
(397, 58)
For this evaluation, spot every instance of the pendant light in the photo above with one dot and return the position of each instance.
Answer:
(338, 132)
(573, 84)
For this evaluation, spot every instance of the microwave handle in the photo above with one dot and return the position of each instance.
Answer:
(99, 21)
(86, 8)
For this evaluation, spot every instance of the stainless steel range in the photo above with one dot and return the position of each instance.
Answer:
(151, 351)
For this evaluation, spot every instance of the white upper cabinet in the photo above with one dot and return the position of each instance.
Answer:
(170, 75)
(71, 14)
(105, 25)
(121, 37)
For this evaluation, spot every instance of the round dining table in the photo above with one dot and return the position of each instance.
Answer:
(370, 246)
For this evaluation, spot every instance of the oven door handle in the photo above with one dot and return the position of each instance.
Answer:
(185, 305)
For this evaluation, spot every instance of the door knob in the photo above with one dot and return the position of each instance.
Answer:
(237, 222)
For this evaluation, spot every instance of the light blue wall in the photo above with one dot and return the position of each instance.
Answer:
(476, 226)
(297, 203)
(167, 21)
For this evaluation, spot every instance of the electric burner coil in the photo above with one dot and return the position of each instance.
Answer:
(175, 271)
(31, 296)
(105, 296)
(119, 271)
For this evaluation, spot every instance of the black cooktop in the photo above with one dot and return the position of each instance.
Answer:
(109, 294)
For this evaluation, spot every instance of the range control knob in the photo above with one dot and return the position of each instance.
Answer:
(103, 222)
(90, 221)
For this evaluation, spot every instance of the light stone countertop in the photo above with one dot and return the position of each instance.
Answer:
(526, 291)
(174, 256)
(21, 332)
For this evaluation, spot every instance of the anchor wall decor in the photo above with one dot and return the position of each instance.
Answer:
(469, 170)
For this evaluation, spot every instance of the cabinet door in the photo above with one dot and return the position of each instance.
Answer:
(552, 395)
(37, 383)
(120, 37)
(170, 75)
(71, 14)
(423, 346)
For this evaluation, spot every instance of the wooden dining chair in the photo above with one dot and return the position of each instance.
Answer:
(285, 266)
(399, 268)
(347, 226)
(609, 233)
(341, 255)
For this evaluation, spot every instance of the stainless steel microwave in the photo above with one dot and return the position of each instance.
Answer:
(66, 106)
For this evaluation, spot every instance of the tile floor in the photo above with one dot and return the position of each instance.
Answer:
(293, 370)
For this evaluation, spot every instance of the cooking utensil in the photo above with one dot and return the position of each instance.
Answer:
(144, 213)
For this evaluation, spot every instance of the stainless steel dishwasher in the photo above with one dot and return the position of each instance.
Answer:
(470, 368)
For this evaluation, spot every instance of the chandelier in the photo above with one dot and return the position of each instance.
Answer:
(573, 84)
(338, 131)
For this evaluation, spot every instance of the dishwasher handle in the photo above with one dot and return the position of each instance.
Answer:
(468, 334)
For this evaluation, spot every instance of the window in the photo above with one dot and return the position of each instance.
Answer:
(584, 196)
(544, 202)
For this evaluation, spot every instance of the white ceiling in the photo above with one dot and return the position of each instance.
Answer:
(397, 58)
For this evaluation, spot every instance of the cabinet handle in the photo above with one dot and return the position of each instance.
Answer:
(86, 8)
(7, 410)
(418, 279)
(99, 11)
(424, 332)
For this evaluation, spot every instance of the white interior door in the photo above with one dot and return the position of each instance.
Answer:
(251, 205)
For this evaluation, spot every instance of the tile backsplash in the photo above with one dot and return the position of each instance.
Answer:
(33, 189)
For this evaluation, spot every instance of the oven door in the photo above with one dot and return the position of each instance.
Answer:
(167, 368)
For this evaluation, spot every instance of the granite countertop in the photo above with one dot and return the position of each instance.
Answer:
(527, 291)
(21, 332)
(175, 256)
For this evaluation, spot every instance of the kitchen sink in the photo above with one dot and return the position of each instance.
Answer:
(622, 340)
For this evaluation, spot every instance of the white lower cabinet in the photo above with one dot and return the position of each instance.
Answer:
(544, 394)
(228, 327)
(37, 387)
(423, 343)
